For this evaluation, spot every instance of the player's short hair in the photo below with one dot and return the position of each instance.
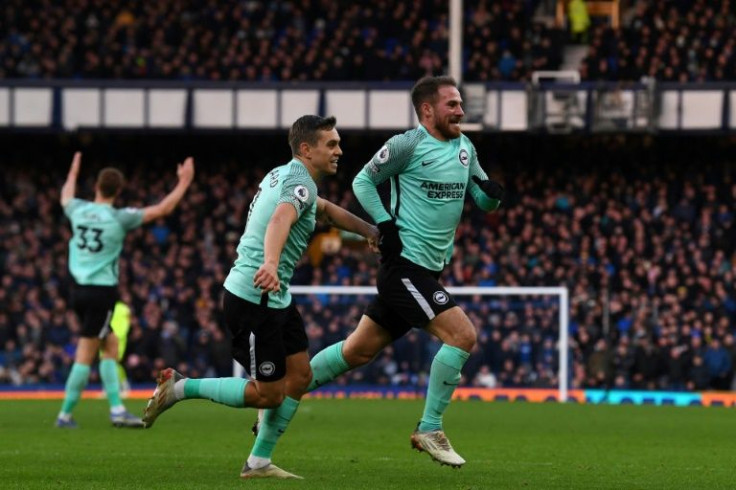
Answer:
(306, 130)
(426, 90)
(110, 181)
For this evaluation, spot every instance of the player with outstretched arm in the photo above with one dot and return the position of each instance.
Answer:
(98, 233)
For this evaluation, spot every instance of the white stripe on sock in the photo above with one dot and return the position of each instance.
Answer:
(179, 389)
(256, 462)
(418, 297)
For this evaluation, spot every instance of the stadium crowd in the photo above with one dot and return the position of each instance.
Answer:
(297, 40)
(692, 41)
(648, 253)
(320, 40)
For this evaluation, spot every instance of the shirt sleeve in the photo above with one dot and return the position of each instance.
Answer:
(300, 191)
(390, 160)
(130, 218)
(481, 199)
(71, 206)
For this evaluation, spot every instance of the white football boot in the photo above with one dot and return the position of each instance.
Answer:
(163, 397)
(268, 471)
(438, 446)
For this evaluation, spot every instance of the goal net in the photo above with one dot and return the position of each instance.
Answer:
(523, 335)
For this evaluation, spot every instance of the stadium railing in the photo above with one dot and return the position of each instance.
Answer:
(71, 105)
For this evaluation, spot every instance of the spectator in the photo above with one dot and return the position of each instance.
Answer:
(699, 377)
(258, 41)
(485, 378)
(718, 363)
(606, 222)
(577, 12)
(670, 41)
(599, 365)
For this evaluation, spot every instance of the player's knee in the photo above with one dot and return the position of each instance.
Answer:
(468, 340)
(305, 379)
(358, 357)
(298, 383)
(271, 400)
(111, 352)
(464, 339)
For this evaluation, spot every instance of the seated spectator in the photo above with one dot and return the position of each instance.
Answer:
(669, 41)
(261, 41)
(646, 254)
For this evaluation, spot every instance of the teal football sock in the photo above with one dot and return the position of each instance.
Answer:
(444, 376)
(75, 383)
(327, 365)
(228, 391)
(274, 423)
(110, 381)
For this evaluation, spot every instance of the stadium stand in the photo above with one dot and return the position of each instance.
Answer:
(647, 249)
(315, 40)
(687, 41)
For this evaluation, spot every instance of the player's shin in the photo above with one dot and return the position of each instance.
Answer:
(227, 391)
(271, 427)
(444, 376)
(75, 383)
(327, 365)
(110, 382)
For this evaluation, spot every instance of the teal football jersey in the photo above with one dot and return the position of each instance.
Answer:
(429, 181)
(98, 233)
(290, 183)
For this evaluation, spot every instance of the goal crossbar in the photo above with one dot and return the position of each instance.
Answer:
(560, 292)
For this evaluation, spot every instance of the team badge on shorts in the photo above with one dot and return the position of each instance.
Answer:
(266, 368)
(463, 157)
(440, 297)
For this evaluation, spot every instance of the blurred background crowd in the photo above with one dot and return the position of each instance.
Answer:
(389, 40)
(306, 40)
(672, 41)
(640, 230)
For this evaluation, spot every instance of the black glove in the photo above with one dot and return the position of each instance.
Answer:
(390, 243)
(494, 190)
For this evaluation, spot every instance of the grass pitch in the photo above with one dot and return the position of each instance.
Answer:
(364, 444)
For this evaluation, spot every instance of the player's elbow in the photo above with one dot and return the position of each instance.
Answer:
(153, 213)
(166, 208)
(360, 183)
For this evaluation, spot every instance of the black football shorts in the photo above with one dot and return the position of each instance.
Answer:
(94, 306)
(263, 337)
(409, 296)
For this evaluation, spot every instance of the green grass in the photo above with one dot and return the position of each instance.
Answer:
(362, 444)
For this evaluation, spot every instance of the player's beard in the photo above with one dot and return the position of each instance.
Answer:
(447, 130)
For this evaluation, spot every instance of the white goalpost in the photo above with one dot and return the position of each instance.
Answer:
(560, 292)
